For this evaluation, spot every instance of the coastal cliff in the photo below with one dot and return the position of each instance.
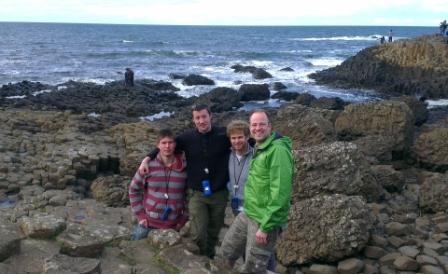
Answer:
(412, 67)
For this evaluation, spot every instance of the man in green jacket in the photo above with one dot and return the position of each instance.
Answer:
(267, 196)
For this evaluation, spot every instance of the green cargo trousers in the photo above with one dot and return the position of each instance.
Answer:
(207, 219)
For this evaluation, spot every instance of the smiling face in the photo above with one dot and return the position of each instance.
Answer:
(202, 120)
(239, 142)
(260, 128)
(166, 145)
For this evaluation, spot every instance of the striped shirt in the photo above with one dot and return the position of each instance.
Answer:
(161, 187)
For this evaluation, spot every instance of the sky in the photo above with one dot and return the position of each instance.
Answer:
(229, 12)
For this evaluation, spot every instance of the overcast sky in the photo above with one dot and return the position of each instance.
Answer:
(229, 12)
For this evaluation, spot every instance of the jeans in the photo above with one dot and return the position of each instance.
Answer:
(140, 232)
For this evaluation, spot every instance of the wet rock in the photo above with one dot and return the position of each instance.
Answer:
(350, 266)
(304, 126)
(157, 85)
(345, 220)
(60, 263)
(385, 118)
(286, 69)
(111, 190)
(241, 68)
(433, 196)
(176, 76)
(278, 86)
(10, 237)
(260, 73)
(254, 92)
(42, 225)
(221, 99)
(285, 95)
(330, 168)
(194, 80)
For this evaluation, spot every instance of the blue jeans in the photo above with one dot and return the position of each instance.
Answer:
(140, 232)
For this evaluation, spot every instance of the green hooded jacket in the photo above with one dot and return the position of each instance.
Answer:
(267, 193)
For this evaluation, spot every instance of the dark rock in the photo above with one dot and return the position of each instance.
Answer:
(157, 85)
(284, 95)
(194, 80)
(418, 108)
(409, 67)
(305, 99)
(9, 240)
(396, 229)
(260, 73)
(333, 168)
(241, 68)
(431, 148)
(374, 252)
(221, 99)
(405, 263)
(345, 220)
(278, 86)
(176, 76)
(254, 92)
(391, 179)
(334, 103)
(286, 69)
(22, 88)
(60, 263)
(389, 258)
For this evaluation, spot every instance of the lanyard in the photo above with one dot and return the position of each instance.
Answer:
(167, 172)
(237, 181)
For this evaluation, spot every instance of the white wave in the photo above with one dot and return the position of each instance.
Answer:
(325, 62)
(94, 115)
(127, 41)
(156, 116)
(373, 37)
(41, 92)
(298, 51)
(16, 97)
(62, 87)
(437, 103)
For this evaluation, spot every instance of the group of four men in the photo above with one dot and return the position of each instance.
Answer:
(261, 176)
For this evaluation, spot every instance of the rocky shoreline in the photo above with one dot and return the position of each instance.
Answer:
(370, 189)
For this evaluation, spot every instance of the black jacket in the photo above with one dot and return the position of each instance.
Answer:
(210, 150)
(206, 150)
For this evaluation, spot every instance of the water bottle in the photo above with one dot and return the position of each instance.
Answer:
(206, 188)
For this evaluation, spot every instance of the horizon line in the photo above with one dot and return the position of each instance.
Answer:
(209, 25)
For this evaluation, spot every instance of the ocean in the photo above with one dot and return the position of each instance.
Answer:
(55, 53)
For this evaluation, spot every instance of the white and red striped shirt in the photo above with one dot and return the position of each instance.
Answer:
(161, 187)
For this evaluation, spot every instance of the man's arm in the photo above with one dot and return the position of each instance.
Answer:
(136, 196)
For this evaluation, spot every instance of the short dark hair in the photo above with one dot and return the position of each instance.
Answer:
(163, 133)
(199, 107)
(238, 126)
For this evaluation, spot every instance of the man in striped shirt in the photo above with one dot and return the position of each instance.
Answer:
(158, 196)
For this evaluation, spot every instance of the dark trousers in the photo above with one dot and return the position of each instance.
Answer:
(207, 219)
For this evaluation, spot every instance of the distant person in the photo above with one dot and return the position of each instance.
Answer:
(129, 78)
(158, 197)
(390, 36)
(443, 27)
(382, 40)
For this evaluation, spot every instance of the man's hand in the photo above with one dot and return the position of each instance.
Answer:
(144, 168)
(261, 237)
(143, 223)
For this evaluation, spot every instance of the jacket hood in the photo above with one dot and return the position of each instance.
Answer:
(277, 139)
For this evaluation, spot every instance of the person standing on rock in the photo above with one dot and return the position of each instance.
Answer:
(390, 36)
(129, 78)
(207, 152)
(158, 196)
(267, 196)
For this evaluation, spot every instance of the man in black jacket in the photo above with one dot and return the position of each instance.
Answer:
(207, 152)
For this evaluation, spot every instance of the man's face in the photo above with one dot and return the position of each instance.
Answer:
(166, 146)
(202, 120)
(239, 142)
(260, 128)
